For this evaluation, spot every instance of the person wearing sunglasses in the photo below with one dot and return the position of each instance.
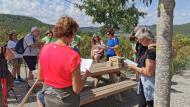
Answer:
(112, 44)
(146, 68)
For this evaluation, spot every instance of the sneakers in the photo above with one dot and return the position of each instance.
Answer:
(16, 81)
(21, 79)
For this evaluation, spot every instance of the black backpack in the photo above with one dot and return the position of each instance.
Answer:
(19, 48)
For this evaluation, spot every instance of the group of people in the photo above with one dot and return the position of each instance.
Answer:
(59, 64)
(110, 46)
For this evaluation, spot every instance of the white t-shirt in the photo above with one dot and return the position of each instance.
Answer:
(29, 40)
(11, 44)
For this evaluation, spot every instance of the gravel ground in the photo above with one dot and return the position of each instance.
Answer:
(180, 95)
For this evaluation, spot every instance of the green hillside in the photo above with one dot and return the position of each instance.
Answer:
(21, 24)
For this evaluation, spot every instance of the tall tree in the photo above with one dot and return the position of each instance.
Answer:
(118, 14)
(163, 52)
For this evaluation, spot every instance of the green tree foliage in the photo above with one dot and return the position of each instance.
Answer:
(118, 14)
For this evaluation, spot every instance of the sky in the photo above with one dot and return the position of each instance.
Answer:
(49, 11)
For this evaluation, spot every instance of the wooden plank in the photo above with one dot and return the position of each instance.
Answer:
(107, 87)
(102, 92)
(102, 72)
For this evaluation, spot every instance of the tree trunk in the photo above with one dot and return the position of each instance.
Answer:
(163, 52)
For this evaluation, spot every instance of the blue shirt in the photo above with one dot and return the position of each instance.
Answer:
(111, 43)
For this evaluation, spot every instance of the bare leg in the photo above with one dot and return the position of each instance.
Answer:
(97, 58)
(14, 70)
(30, 76)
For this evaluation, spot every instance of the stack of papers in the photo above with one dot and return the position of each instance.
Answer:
(85, 64)
(128, 61)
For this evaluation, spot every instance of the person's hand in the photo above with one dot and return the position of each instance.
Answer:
(87, 73)
(130, 66)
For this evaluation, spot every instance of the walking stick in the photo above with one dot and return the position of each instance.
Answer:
(28, 94)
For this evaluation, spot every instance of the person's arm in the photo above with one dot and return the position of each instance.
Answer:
(148, 70)
(116, 41)
(40, 77)
(78, 80)
(9, 54)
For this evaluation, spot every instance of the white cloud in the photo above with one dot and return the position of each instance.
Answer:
(47, 11)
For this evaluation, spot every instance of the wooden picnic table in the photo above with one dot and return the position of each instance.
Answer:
(99, 69)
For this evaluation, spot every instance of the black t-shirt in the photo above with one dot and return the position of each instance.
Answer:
(140, 50)
(149, 54)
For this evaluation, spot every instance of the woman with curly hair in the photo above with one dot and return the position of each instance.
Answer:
(60, 67)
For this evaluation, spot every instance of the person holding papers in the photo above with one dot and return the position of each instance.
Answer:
(146, 68)
(112, 44)
(97, 50)
(59, 67)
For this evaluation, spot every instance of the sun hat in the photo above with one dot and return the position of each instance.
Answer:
(144, 33)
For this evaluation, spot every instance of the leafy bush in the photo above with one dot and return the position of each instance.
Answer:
(182, 45)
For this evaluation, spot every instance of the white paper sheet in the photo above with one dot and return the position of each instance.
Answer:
(128, 61)
(85, 64)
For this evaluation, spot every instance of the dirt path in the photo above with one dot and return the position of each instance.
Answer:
(180, 95)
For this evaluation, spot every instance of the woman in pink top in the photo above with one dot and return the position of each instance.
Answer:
(60, 67)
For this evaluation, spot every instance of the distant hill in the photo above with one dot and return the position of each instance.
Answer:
(23, 24)
(183, 28)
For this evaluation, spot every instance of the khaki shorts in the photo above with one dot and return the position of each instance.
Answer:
(64, 97)
(16, 61)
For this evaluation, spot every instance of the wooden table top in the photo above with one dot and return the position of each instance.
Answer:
(102, 68)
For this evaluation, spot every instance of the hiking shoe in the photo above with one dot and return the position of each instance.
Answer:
(16, 81)
(21, 79)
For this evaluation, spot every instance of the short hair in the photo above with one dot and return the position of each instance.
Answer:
(11, 33)
(65, 27)
(110, 31)
(34, 28)
(48, 32)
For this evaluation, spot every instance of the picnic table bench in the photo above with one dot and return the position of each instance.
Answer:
(105, 91)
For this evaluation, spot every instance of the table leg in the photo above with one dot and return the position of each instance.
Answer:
(96, 81)
(114, 78)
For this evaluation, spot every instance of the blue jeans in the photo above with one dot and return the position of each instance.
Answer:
(40, 96)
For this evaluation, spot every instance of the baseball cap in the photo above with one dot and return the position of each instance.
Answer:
(13, 32)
